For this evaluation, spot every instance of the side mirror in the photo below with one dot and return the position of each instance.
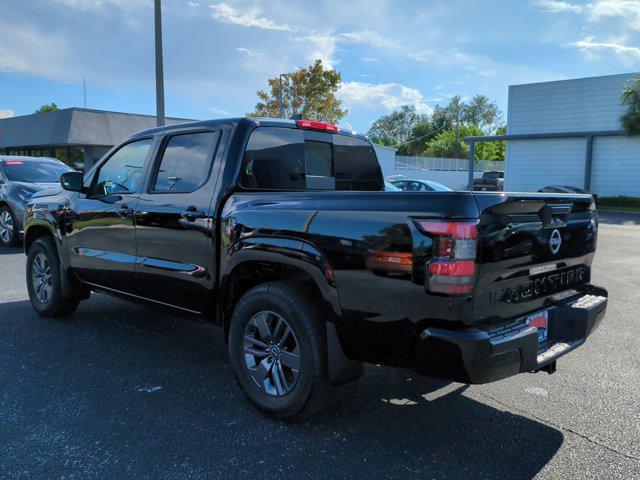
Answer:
(72, 181)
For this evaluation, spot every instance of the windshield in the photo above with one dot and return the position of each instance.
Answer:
(34, 171)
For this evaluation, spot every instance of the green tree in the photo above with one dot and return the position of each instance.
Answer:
(421, 134)
(444, 145)
(396, 128)
(47, 108)
(630, 120)
(482, 112)
(310, 92)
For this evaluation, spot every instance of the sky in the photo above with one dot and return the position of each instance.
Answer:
(218, 54)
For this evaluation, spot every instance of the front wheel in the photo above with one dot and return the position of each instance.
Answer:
(277, 346)
(8, 227)
(44, 282)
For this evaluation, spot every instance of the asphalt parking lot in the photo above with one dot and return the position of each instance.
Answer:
(120, 391)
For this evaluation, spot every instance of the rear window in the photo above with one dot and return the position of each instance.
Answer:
(293, 159)
(494, 175)
(33, 171)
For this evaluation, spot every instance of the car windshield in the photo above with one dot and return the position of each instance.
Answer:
(34, 171)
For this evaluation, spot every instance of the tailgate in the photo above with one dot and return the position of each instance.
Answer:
(534, 250)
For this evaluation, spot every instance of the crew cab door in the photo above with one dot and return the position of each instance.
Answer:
(102, 239)
(174, 222)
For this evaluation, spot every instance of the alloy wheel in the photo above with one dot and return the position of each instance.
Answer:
(6, 226)
(41, 278)
(271, 353)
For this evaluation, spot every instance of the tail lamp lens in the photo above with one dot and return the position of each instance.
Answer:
(452, 270)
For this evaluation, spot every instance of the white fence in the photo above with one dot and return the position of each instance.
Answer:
(445, 164)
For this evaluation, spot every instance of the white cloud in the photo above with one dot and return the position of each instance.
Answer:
(628, 10)
(453, 57)
(589, 47)
(249, 51)
(193, 4)
(104, 5)
(369, 37)
(218, 111)
(24, 49)
(6, 113)
(388, 95)
(556, 6)
(227, 14)
(322, 47)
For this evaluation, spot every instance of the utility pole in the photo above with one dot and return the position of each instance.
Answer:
(280, 105)
(84, 90)
(159, 66)
(457, 131)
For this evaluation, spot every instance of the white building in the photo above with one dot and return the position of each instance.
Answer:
(580, 105)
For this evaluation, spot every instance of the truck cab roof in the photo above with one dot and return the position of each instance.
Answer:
(249, 122)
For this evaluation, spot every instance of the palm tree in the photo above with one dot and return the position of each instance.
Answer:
(630, 97)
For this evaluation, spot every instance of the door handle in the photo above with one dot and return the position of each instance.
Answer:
(191, 214)
(125, 211)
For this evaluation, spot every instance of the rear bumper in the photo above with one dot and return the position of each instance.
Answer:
(494, 352)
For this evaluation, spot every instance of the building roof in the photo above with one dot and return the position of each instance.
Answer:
(75, 126)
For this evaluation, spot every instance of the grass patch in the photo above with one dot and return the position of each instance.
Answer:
(628, 204)
(620, 209)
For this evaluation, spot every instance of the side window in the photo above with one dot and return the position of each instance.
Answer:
(122, 172)
(186, 162)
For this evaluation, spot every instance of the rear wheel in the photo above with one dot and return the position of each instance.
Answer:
(44, 282)
(8, 227)
(277, 346)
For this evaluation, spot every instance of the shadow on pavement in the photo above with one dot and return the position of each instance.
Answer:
(120, 391)
(10, 250)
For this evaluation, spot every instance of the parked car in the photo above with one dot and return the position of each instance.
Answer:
(277, 230)
(393, 178)
(565, 189)
(490, 181)
(390, 187)
(419, 185)
(20, 178)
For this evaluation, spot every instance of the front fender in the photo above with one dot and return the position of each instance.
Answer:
(40, 219)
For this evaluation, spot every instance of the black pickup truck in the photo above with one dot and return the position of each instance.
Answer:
(490, 181)
(280, 232)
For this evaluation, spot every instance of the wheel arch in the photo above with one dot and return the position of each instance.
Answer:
(259, 260)
(34, 232)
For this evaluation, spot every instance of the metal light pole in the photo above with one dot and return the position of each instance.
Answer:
(159, 66)
(280, 105)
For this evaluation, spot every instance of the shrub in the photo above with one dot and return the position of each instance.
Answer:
(633, 202)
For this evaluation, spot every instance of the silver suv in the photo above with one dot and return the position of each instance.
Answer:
(20, 178)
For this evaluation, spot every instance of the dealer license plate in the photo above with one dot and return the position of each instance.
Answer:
(540, 320)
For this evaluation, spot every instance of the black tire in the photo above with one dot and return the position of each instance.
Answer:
(51, 305)
(294, 303)
(12, 240)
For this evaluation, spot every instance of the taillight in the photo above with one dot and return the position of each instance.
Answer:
(312, 125)
(452, 270)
